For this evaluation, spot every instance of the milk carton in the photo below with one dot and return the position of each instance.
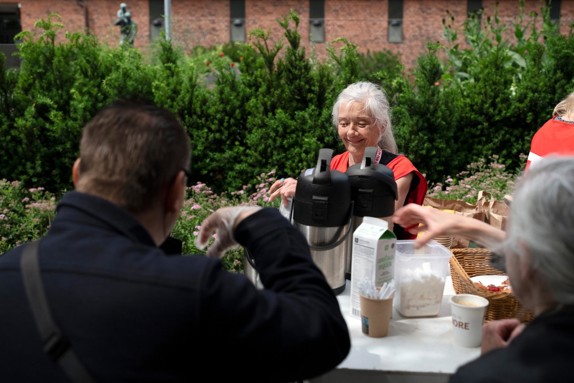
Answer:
(373, 257)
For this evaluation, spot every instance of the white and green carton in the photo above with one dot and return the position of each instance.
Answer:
(373, 257)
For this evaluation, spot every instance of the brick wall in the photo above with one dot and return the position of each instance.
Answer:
(200, 22)
(96, 15)
(207, 22)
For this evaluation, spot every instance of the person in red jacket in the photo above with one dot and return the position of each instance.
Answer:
(556, 136)
(362, 117)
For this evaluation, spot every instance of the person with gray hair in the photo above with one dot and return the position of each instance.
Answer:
(538, 253)
(362, 118)
(375, 102)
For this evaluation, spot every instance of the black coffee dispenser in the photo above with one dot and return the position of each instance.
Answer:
(373, 191)
(322, 210)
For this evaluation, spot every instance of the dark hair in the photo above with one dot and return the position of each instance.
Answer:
(130, 150)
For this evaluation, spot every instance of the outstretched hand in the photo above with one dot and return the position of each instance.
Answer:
(431, 222)
(222, 223)
(434, 222)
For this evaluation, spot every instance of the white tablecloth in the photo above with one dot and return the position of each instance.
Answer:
(416, 349)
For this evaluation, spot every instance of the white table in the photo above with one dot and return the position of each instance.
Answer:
(415, 350)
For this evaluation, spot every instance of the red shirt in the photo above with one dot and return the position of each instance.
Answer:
(554, 137)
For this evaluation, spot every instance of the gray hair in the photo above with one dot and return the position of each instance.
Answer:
(376, 104)
(542, 220)
(564, 106)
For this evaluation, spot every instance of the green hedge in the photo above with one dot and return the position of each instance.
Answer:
(250, 108)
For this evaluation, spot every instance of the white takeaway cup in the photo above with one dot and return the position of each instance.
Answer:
(468, 312)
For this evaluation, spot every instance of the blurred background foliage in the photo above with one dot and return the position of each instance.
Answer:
(261, 106)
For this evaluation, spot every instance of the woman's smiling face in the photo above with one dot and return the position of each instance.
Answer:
(357, 129)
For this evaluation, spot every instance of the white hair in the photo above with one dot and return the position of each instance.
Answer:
(542, 220)
(376, 104)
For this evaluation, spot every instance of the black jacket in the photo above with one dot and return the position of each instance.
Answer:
(543, 352)
(134, 314)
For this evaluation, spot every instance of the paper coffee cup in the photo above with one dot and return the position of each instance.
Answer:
(375, 316)
(467, 319)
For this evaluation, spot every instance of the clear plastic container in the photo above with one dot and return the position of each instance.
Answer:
(419, 276)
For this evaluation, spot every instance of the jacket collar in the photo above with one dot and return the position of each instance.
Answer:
(89, 209)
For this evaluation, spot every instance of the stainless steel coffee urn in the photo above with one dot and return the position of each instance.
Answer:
(322, 210)
(373, 191)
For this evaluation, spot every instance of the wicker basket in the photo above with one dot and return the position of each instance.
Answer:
(470, 262)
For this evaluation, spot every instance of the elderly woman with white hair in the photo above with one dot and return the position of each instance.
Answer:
(538, 253)
(362, 117)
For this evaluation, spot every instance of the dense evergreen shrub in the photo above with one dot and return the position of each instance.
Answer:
(487, 99)
(59, 88)
(286, 126)
(259, 106)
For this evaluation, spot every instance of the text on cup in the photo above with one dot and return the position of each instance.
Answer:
(461, 324)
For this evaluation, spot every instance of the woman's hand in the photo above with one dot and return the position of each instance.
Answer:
(285, 188)
(499, 333)
(434, 222)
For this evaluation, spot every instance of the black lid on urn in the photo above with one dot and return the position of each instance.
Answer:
(322, 197)
(373, 187)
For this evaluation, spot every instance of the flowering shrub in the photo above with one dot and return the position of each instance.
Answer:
(202, 201)
(25, 214)
(490, 176)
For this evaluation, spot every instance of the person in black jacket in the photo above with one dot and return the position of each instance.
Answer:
(132, 313)
(538, 253)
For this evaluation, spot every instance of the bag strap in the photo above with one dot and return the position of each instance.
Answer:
(56, 345)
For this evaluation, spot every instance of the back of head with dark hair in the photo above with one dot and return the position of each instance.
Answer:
(129, 151)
